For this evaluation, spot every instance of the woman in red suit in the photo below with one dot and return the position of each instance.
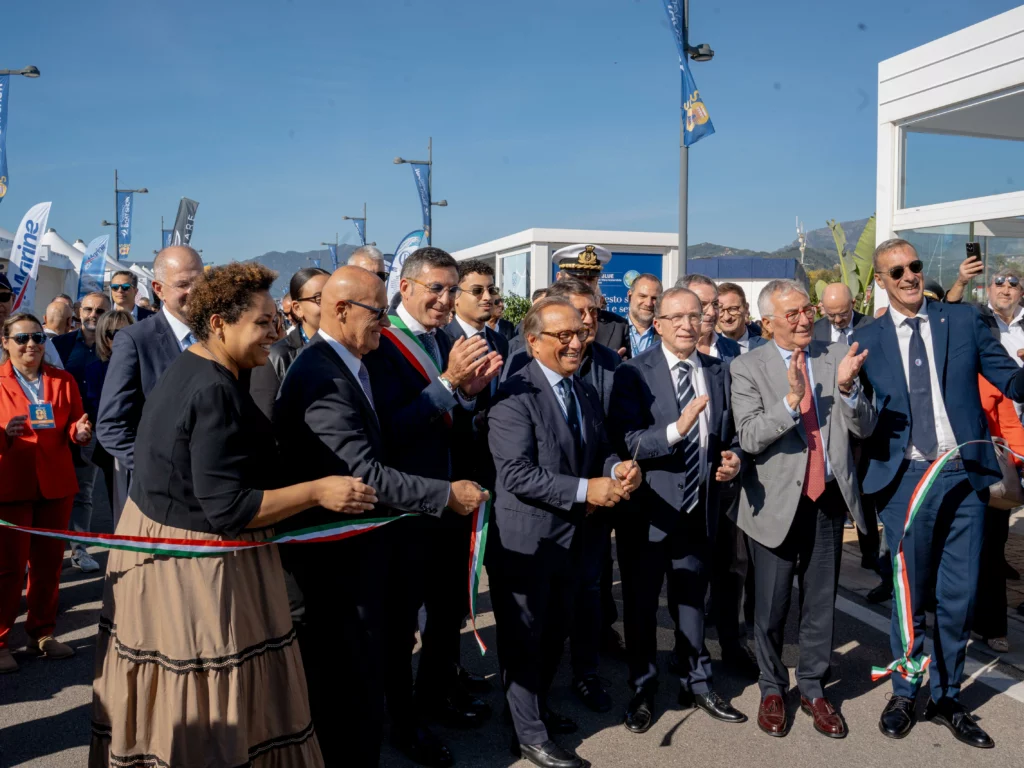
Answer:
(37, 481)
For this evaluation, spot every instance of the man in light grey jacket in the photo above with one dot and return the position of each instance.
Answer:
(796, 403)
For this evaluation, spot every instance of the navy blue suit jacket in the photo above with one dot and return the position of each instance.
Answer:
(643, 405)
(963, 347)
(139, 356)
(597, 369)
(727, 348)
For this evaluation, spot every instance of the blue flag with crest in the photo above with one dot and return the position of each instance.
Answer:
(124, 222)
(421, 173)
(696, 120)
(361, 230)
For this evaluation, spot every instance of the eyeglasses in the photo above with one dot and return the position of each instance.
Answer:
(793, 316)
(683, 320)
(915, 266)
(705, 305)
(111, 334)
(382, 275)
(21, 339)
(378, 311)
(315, 298)
(478, 290)
(838, 315)
(121, 286)
(437, 289)
(566, 337)
(730, 311)
(1013, 282)
(5, 297)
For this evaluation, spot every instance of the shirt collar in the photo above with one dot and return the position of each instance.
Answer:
(673, 361)
(178, 328)
(351, 362)
(898, 318)
(135, 312)
(411, 322)
(638, 332)
(469, 329)
(553, 378)
(1018, 316)
(786, 353)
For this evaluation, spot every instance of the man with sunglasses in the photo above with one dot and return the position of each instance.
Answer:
(371, 259)
(124, 287)
(499, 324)
(924, 362)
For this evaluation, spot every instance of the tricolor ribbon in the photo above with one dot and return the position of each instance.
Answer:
(319, 534)
(912, 668)
(414, 352)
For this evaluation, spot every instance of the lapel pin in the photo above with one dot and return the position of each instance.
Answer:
(942, 320)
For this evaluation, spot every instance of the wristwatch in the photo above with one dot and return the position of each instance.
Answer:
(447, 385)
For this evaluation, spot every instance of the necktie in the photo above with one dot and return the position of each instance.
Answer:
(814, 477)
(430, 344)
(188, 341)
(685, 392)
(571, 417)
(922, 417)
(364, 382)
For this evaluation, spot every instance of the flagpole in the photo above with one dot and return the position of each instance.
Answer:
(684, 162)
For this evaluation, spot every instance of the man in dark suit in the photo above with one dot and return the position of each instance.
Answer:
(425, 383)
(841, 319)
(124, 287)
(139, 356)
(733, 313)
(711, 342)
(585, 262)
(555, 466)
(671, 408)
(923, 356)
(326, 423)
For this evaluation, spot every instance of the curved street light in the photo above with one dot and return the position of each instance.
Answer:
(29, 71)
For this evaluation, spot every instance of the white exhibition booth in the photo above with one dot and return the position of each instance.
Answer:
(951, 147)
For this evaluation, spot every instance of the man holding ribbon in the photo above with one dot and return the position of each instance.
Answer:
(931, 466)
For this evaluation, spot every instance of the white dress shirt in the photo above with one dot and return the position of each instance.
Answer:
(943, 429)
(351, 362)
(713, 348)
(1011, 336)
(135, 312)
(469, 329)
(179, 329)
(744, 340)
(417, 328)
(699, 388)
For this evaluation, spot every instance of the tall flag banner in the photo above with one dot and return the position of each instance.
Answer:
(361, 229)
(5, 88)
(125, 201)
(409, 243)
(24, 268)
(94, 261)
(167, 237)
(696, 120)
(333, 249)
(316, 263)
(421, 173)
(185, 222)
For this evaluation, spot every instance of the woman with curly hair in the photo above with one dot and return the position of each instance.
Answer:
(197, 662)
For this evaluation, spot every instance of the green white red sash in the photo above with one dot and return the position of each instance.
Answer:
(912, 668)
(412, 349)
(477, 548)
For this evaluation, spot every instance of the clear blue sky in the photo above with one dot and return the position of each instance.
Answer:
(279, 117)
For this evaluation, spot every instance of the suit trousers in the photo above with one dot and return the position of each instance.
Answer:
(534, 601)
(990, 606)
(811, 551)
(943, 547)
(729, 568)
(684, 557)
(589, 622)
(341, 637)
(44, 558)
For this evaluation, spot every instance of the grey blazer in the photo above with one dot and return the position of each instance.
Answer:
(775, 445)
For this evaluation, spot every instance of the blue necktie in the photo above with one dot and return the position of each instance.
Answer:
(922, 414)
(691, 441)
(430, 344)
(188, 341)
(571, 417)
(364, 382)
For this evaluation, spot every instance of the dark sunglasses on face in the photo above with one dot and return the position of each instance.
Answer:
(896, 273)
(5, 297)
(1013, 282)
(382, 275)
(21, 339)
(121, 286)
(478, 290)
(378, 311)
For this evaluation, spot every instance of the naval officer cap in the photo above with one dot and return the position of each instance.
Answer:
(582, 259)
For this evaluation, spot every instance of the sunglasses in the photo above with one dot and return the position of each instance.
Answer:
(437, 289)
(915, 266)
(566, 337)
(478, 290)
(378, 311)
(1013, 282)
(382, 275)
(121, 286)
(5, 297)
(21, 339)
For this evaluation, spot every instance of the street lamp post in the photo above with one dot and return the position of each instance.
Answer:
(26, 72)
(429, 162)
(701, 52)
(358, 218)
(117, 215)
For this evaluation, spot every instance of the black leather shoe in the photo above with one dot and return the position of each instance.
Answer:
(897, 718)
(718, 707)
(456, 710)
(550, 755)
(423, 748)
(556, 723)
(591, 693)
(640, 711)
(738, 660)
(475, 684)
(881, 593)
(960, 722)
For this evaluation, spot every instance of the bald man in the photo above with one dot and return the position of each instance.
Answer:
(140, 354)
(326, 422)
(371, 259)
(841, 319)
(57, 319)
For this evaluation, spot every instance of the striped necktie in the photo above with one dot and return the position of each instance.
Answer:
(690, 449)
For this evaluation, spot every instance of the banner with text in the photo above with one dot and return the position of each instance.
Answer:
(696, 120)
(94, 261)
(421, 173)
(409, 243)
(361, 229)
(125, 201)
(24, 267)
(185, 222)
(5, 88)
(167, 237)
(333, 249)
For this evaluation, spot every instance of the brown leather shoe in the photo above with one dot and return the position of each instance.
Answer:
(826, 719)
(771, 716)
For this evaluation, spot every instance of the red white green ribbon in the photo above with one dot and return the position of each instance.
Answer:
(477, 548)
(413, 351)
(912, 668)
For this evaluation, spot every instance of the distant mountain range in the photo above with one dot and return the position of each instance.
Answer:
(288, 263)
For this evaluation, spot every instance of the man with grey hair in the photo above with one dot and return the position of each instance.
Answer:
(711, 342)
(371, 259)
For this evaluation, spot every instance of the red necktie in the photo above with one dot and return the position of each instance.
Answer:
(814, 479)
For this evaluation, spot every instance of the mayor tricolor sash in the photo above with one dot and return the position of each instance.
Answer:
(412, 350)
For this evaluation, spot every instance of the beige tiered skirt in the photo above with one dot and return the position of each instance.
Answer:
(197, 665)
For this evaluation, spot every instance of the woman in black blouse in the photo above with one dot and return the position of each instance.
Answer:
(197, 661)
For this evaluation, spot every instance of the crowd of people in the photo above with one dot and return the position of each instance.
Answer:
(726, 455)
